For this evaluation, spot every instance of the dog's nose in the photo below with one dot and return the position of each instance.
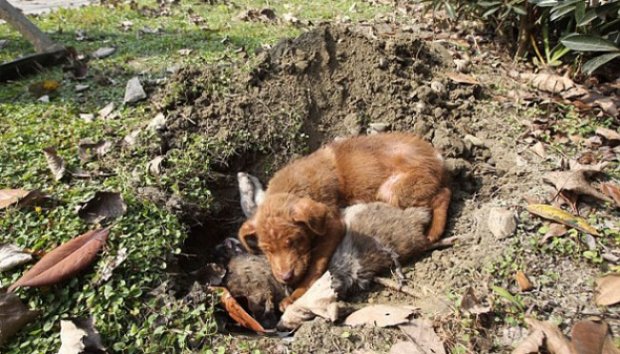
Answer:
(286, 277)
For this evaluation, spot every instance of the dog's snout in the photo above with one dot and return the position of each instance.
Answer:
(287, 276)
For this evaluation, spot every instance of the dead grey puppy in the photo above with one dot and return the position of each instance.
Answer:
(379, 237)
(249, 277)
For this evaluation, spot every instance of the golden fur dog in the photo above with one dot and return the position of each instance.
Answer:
(298, 226)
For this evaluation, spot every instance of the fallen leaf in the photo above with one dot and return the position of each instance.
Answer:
(558, 215)
(110, 265)
(523, 281)
(55, 163)
(549, 82)
(105, 112)
(556, 342)
(575, 165)
(320, 300)
(608, 290)
(44, 87)
(79, 336)
(574, 181)
(588, 337)
(103, 52)
(13, 316)
(103, 206)
(379, 315)
(460, 78)
(531, 344)
(87, 150)
(610, 189)
(555, 230)
(64, 261)
(608, 134)
(471, 304)
(12, 256)
(539, 149)
(19, 197)
(236, 311)
(422, 333)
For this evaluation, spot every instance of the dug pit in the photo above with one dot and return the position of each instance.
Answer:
(333, 81)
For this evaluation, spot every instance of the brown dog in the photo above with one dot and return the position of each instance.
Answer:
(298, 225)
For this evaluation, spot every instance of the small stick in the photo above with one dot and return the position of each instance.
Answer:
(391, 284)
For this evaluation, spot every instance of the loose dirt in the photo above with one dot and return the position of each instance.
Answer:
(343, 80)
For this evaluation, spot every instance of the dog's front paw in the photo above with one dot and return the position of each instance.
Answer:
(286, 302)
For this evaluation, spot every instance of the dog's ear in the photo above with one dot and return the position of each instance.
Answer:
(313, 215)
(248, 237)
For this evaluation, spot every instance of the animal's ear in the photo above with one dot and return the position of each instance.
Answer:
(248, 237)
(313, 215)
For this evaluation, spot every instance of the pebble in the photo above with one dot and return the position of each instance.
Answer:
(134, 91)
(502, 222)
(103, 52)
(375, 128)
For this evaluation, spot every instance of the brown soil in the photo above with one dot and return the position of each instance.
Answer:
(340, 80)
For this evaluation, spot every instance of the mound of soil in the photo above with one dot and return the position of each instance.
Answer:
(337, 80)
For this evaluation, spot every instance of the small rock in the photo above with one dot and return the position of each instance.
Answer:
(103, 52)
(502, 222)
(375, 128)
(474, 140)
(44, 99)
(87, 117)
(383, 64)
(173, 69)
(134, 91)
(352, 123)
(81, 88)
(154, 166)
(157, 123)
(104, 113)
(438, 87)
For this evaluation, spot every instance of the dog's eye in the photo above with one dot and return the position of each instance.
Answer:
(290, 242)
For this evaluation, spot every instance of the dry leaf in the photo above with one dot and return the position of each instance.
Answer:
(12, 256)
(87, 149)
(236, 312)
(55, 163)
(549, 82)
(103, 206)
(523, 281)
(462, 78)
(574, 181)
(44, 87)
(608, 290)
(558, 215)
(608, 134)
(379, 315)
(575, 165)
(555, 230)
(471, 304)
(13, 316)
(531, 344)
(588, 337)
(320, 300)
(539, 149)
(79, 336)
(18, 197)
(556, 342)
(422, 333)
(610, 189)
(65, 260)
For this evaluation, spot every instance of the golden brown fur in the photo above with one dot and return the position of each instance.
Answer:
(298, 225)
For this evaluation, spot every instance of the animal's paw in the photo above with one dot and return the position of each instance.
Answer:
(286, 303)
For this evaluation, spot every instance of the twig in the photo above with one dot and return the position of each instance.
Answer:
(391, 284)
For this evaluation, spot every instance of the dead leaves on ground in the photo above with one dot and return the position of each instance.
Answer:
(12, 256)
(558, 215)
(13, 316)
(79, 336)
(103, 207)
(55, 163)
(422, 339)
(19, 197)
(587, 337)
(64, 261)
(379, 315)
(608, 290)
(236, 311)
